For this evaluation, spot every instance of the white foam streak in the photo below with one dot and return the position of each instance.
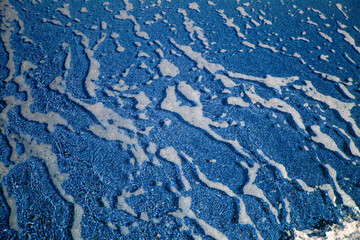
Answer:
(195, 56)
(269, 81)
(277, 104)
(349, 39)
(194, 115)
(193, 29)
(251, 189)
(230, 23)
(347, 200)
(13, 222)
(125, 16)
(171, 155)
(343, 108)
(326, 140)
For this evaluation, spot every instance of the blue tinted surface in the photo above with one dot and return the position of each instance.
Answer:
(179, 119)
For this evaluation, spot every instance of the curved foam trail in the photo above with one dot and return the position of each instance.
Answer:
(320, 14)
(189, 93)
(349, 39)
(185, 211)
(123, 205)
(67, 59)
(304, 186)
(171, 155)
(104, 114)
(344, 109)
(59, 84)
(113, 127)
(265, 21)
(215, 185)
(93, 72)
(13, 223)
(265, 46)
(288, 210)
(242, 12)
(277, 104)
(195, 56)
(326, 37)
(339, 6)
(9, 15)
(44, 152)
(324, 187)
(327, 141)
(349, 59)
(330, 191)
(328, 76)
(194, 115)
(76, 227)
(192, 28)
(353, 149)
(269, 81)
(300, 39)
(251, 189)
(346, 91)
(244, 218)
(230, 23)
(279, 166)
(209, 230)
(50, 118)
(248, 44)
(124, 15)
(347, 200)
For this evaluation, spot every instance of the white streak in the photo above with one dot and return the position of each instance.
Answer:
(171, 155)
(251, 189)
(13, 211)
(343, 108)
(64, 10)
(346, 91)
(326, 140)
(265, 46)
(195, 56)
(192, 28)
(353, 149)
(347, 200)
(339, 6)
(270, 81)
(125, 16)
(279, 166)
(194, 115)
(237, 101)
(230, 23)
(349, 39)
(325, 36)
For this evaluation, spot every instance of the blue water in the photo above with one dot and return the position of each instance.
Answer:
(80, 157)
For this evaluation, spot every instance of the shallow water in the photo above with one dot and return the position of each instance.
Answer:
(179, 120)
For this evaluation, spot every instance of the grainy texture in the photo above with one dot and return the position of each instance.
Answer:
(179, 119)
